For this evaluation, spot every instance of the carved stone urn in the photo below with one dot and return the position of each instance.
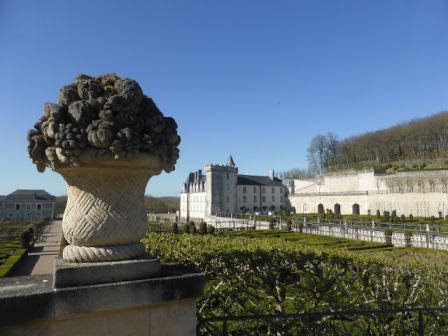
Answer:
(106, 139)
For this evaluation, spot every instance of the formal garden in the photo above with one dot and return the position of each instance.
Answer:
(278, 272)
(16, 237)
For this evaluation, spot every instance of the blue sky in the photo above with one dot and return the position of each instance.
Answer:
(255, 79)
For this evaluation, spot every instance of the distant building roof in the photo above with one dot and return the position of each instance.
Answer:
(29, 195)
(259, 181)
(195, 177)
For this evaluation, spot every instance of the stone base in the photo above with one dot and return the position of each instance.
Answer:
(70, 274)
(163, 305)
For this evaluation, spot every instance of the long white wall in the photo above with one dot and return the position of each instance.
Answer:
(417, 204)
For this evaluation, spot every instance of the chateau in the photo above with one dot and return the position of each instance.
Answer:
(223, 191)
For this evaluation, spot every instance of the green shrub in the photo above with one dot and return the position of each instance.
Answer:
(289, 225)
(271, 223)
(192, 229)
(211, 229)
(203, 228)
(408, 238)
(186, 228)
(388, 236)
(26, 238)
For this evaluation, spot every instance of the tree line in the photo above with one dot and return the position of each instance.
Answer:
(418, 140)
(152, 204)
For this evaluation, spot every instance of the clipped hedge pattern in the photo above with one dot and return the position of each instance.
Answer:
(264, 276)
(11, 261)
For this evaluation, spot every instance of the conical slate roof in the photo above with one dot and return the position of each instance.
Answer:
(230, 162)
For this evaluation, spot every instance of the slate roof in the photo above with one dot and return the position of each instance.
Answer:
(259, 181)
(191, 179)
(29, 195)
(230, 162)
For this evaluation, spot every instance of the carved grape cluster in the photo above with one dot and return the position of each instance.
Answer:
(107, 114)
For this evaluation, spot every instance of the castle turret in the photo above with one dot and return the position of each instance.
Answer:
(222, 188)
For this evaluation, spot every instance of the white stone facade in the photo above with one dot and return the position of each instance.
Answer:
(422, 193)
(221, 190)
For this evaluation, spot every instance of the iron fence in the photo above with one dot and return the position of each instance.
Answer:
(419, 328)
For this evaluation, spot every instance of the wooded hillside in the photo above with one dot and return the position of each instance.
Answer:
(413, 145)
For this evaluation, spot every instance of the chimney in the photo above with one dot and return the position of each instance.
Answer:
(271, 175)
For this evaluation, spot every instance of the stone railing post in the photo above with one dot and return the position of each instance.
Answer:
(345, 228)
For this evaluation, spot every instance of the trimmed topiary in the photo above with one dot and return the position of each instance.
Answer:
(388, 236)
(203, 228)
(408, 238)
(192, 229)
(289, 225)
(186, 228)
(211, 229)
(25, 239)
(271, 223)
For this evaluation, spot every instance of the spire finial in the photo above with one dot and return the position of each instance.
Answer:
(230, 162)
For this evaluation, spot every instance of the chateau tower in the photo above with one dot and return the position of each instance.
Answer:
(222, 188)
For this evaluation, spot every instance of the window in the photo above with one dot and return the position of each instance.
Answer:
(244, 190)
(263, 199)
(263, 190)
(28, 207)
(244, 199)
(227, 199)
(227, 187)
(227, 175)
(273, 190)
(255, 189)
(17, 206)
(39, 207)
(255, 198)
(281, 198)
(1, 205)
(273, 199)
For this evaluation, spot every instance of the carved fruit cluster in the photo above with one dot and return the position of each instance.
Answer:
(108, 116)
